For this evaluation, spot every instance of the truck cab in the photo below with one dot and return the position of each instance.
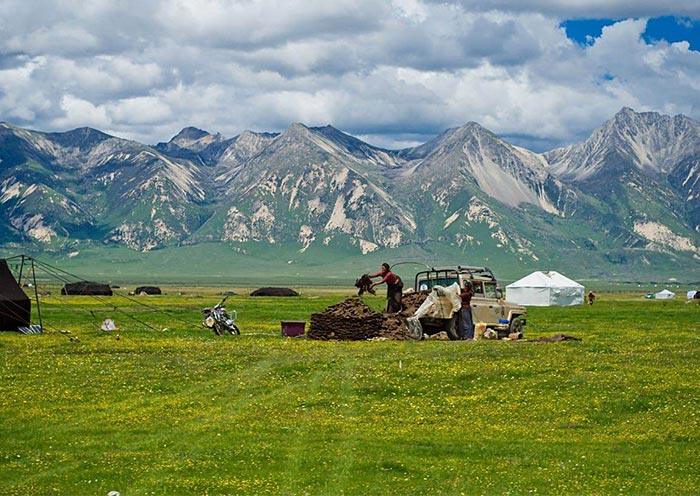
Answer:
(487, 303)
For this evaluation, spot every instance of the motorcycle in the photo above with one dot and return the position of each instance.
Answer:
(218, 319)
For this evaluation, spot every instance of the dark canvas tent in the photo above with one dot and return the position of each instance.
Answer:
(274, 292)
(86, 288)
(15, 306)
(149, 290)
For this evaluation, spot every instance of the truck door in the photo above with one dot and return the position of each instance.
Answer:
(496, 307)
(485, 306)
(480, 310)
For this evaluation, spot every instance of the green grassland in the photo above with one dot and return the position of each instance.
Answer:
(179, 410)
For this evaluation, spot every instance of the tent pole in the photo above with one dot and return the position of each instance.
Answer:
(21, 269)
(36, 296)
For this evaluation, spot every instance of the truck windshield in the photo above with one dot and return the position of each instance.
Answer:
(427, 284)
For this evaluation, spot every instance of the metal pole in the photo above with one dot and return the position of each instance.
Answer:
(410, 262)
(21, 268)
(36, 296)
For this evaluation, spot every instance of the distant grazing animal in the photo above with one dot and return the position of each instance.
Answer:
(365, 285)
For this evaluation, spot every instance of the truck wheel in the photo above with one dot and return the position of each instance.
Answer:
(452, 327)
(516, 325)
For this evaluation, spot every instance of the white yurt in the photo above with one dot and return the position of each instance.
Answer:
(545, 289)
(691, 294)
(665, 295)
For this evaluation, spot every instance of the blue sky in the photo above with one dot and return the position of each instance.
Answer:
(542, 73)
(666, 28)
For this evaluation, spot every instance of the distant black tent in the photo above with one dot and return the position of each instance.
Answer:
(149, 290)
(15, 306)
(274, 292)
(86, 288)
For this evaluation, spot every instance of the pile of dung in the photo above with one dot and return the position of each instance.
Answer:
(411, 302)
(394, 327)
(353, 320)
(274, 292)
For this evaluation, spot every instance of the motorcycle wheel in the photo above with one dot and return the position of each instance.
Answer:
(233, 329)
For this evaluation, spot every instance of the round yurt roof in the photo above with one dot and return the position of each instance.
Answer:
(545, 279)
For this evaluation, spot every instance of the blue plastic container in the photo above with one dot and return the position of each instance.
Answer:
(502, 321)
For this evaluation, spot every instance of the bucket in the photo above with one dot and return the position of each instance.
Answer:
(293, 328)
(479, 329)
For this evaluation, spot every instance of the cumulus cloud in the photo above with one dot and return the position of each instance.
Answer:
(238, 25)
(396, 72)
(78, 112)
(589, 9)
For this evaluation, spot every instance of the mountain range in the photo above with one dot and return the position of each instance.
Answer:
(624, 202)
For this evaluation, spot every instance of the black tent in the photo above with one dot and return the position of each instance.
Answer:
(274, 292)
(149, 290)
(15, 306)
(86, 288)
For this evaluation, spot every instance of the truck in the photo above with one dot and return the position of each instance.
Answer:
(488, 305)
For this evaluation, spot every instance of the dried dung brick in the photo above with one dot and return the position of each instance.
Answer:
(353, 320)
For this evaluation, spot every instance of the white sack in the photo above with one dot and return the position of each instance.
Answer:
(441, 303)
(108, 325)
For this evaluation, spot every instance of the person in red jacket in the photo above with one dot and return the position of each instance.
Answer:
(466, 321)
(394, 287)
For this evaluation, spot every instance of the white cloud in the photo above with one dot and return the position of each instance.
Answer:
(140, 110)
(266, 22)
(589, 9)
(78, 113)
(411, 9)
(395, 71)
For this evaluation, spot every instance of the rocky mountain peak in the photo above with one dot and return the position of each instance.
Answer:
(82, 138)
(473, 127)
(653, 129)
(300, 136)
(454, 138)
(193, 139)
(357, 148)
(336, 135)
(252, 141)
(626, 112)
(189, 133)
(645, 142)
(237, 150)
(297, 128)
(246, 135)
(628, 122)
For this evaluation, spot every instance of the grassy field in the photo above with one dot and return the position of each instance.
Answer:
(179, 410)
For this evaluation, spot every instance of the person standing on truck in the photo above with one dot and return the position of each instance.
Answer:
(466, 322)
(394, 287)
